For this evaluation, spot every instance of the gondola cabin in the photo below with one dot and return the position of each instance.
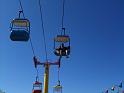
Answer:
(37, 87)
(20, 29)
(57, 89)
(62, 45)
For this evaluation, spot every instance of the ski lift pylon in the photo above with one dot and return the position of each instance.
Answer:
(20, 29)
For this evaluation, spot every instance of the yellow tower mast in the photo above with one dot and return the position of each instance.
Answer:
(46, 78)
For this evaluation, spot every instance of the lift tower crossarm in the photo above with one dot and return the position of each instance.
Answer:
(46, 73)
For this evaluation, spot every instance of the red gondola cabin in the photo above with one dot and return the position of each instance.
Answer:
(37, 87)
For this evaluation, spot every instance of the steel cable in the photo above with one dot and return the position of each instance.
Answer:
(43, 30)
(30, 37)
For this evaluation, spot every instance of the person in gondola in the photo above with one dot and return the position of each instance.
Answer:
(62, 50)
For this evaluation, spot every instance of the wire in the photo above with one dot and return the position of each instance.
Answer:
(32, 47)
(58, 75)
(63, 12)
(43, 31)
(62, 20)
(22, 11)
(37, 75)
(21, 8)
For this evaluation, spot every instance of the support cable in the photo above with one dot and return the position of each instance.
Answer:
(63, 13)
(22, 11)
(32, 46)
(58, 76)
(37, 75)
(43, 30)
(21, 8)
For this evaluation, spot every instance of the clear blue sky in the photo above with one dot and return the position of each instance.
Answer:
(96, 28)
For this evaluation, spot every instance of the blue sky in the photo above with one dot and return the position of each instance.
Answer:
(96, 28)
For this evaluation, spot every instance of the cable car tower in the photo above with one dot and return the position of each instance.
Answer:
(46, 65)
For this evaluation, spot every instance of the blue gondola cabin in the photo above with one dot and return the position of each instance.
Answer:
(63, 49)
(20, 29)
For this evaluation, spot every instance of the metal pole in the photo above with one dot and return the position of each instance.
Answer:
(46, 78)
